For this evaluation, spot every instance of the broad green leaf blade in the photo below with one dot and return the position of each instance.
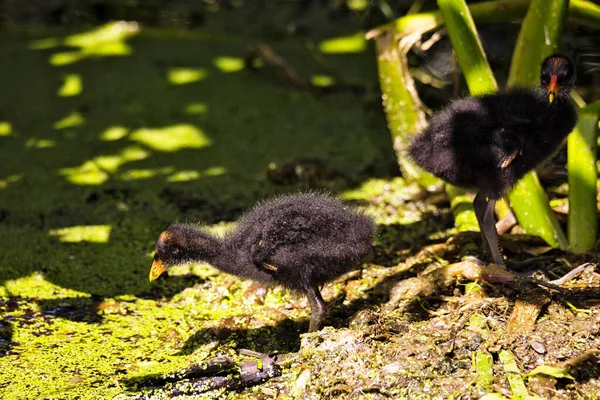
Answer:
(582, 146)
(539, 37)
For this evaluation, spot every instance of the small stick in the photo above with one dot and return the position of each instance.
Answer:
(575, 272)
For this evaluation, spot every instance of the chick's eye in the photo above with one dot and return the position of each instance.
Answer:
(176, 250)
(546, 77)
(562, 76)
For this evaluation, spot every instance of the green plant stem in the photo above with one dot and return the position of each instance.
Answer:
(401, 103)
(582, 147)
(539, 37)
(530, 205)
(503, 209)
(461, 205)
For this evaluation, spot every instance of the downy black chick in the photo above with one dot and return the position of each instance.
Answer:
(299, 241)
(487, 143)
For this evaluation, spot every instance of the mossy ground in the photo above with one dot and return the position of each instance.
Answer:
(103, 143)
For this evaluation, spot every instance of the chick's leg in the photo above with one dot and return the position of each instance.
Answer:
(317, 308)
(479, 206)
(484, 211)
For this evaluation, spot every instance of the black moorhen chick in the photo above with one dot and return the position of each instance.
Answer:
(299, 241)
(489, 142)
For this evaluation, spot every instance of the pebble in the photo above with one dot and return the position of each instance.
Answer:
(538, 347)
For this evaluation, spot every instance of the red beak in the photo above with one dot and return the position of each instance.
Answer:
(552, 88)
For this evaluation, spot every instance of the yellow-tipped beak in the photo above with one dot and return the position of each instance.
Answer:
(157, 269)
(552, 88)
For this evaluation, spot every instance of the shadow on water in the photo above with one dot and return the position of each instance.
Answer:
(6, 333)
(282, 338)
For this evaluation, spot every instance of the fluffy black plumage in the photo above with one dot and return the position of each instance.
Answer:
(299, 241)
(488, 143)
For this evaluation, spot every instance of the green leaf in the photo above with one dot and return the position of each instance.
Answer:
(472, 287)
(582, 147)
(461, 205)
(554, 372)
(513, 374)
(484, 368)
